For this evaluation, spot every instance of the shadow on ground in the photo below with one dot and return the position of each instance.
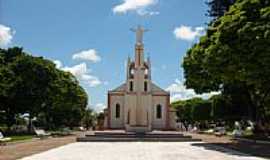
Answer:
(238, 148)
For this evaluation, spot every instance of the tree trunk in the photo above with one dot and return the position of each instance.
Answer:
(257, 112)
(29, 127)
(10, 120)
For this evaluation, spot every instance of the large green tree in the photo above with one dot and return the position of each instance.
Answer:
(8, 84)
(235, 50)
(219, 7)
(195, 109)
(89, 118)
(35, 75)
(68, 102)
(34, 85)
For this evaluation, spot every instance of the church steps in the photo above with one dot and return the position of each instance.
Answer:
(136, 139)
(122, 132)
(116, 136)
(143, 136)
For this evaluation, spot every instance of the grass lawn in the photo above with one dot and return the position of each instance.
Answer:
(21, 138)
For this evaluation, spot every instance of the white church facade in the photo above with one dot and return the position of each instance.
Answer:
(138, 104)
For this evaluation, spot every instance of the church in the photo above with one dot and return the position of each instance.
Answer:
(139, 105)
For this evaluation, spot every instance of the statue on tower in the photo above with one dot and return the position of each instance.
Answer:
(139, 34)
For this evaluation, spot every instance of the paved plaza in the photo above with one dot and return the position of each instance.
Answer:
(140, 151)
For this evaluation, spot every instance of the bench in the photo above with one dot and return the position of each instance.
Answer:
(4, 140)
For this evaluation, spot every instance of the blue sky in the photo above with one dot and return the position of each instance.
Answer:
(91, 38)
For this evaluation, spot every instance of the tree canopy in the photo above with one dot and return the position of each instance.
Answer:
(234, 51)
(217, 108)
(195, 109)
(34, 85)
(219, 7)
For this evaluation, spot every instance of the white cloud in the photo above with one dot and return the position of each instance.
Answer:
(91, 80)
(99, 107)
(89, 55)
(144, 12)
(139, 6)
(78, 70)
(6, 35)
(81, 72)
(58, 64)
(188, 33)
(179, 91)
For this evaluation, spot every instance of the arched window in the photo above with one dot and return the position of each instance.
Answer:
(130, 86)
(146, 73)
(159, 111)
(132, 73)
(145, 86)
(117, 110)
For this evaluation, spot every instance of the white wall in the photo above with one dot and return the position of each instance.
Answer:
(130, 104)
(146, 105)
(172, 120)
(159, 123)
(117, 122)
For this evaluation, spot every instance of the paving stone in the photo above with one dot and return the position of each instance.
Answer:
(139, 151)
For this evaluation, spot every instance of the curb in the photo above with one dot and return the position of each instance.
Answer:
(252, 141)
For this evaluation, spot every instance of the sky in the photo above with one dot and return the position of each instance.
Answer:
(92, 38)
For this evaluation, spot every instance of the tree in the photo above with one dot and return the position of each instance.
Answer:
(8, 84)
(88, 118)
(219, 7)
(201, 109)
(183, 110)
(235, 50)
(195, 109)
(100, 120)
(180, 110)
(66, 102)
(34, 85)
(222, 109)
(36, 74)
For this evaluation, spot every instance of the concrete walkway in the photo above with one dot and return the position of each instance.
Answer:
(140, 151)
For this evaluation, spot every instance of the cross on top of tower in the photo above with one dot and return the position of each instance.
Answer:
(139, 34)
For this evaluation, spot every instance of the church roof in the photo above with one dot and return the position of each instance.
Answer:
(157, 90)
(121, 88)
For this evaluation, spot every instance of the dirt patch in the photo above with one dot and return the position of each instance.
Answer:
(254, 149)
(18, 150)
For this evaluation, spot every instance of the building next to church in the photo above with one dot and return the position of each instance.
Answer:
(138, 104)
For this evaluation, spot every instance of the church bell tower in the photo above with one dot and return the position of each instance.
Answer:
(139, 84)
(139, 71)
